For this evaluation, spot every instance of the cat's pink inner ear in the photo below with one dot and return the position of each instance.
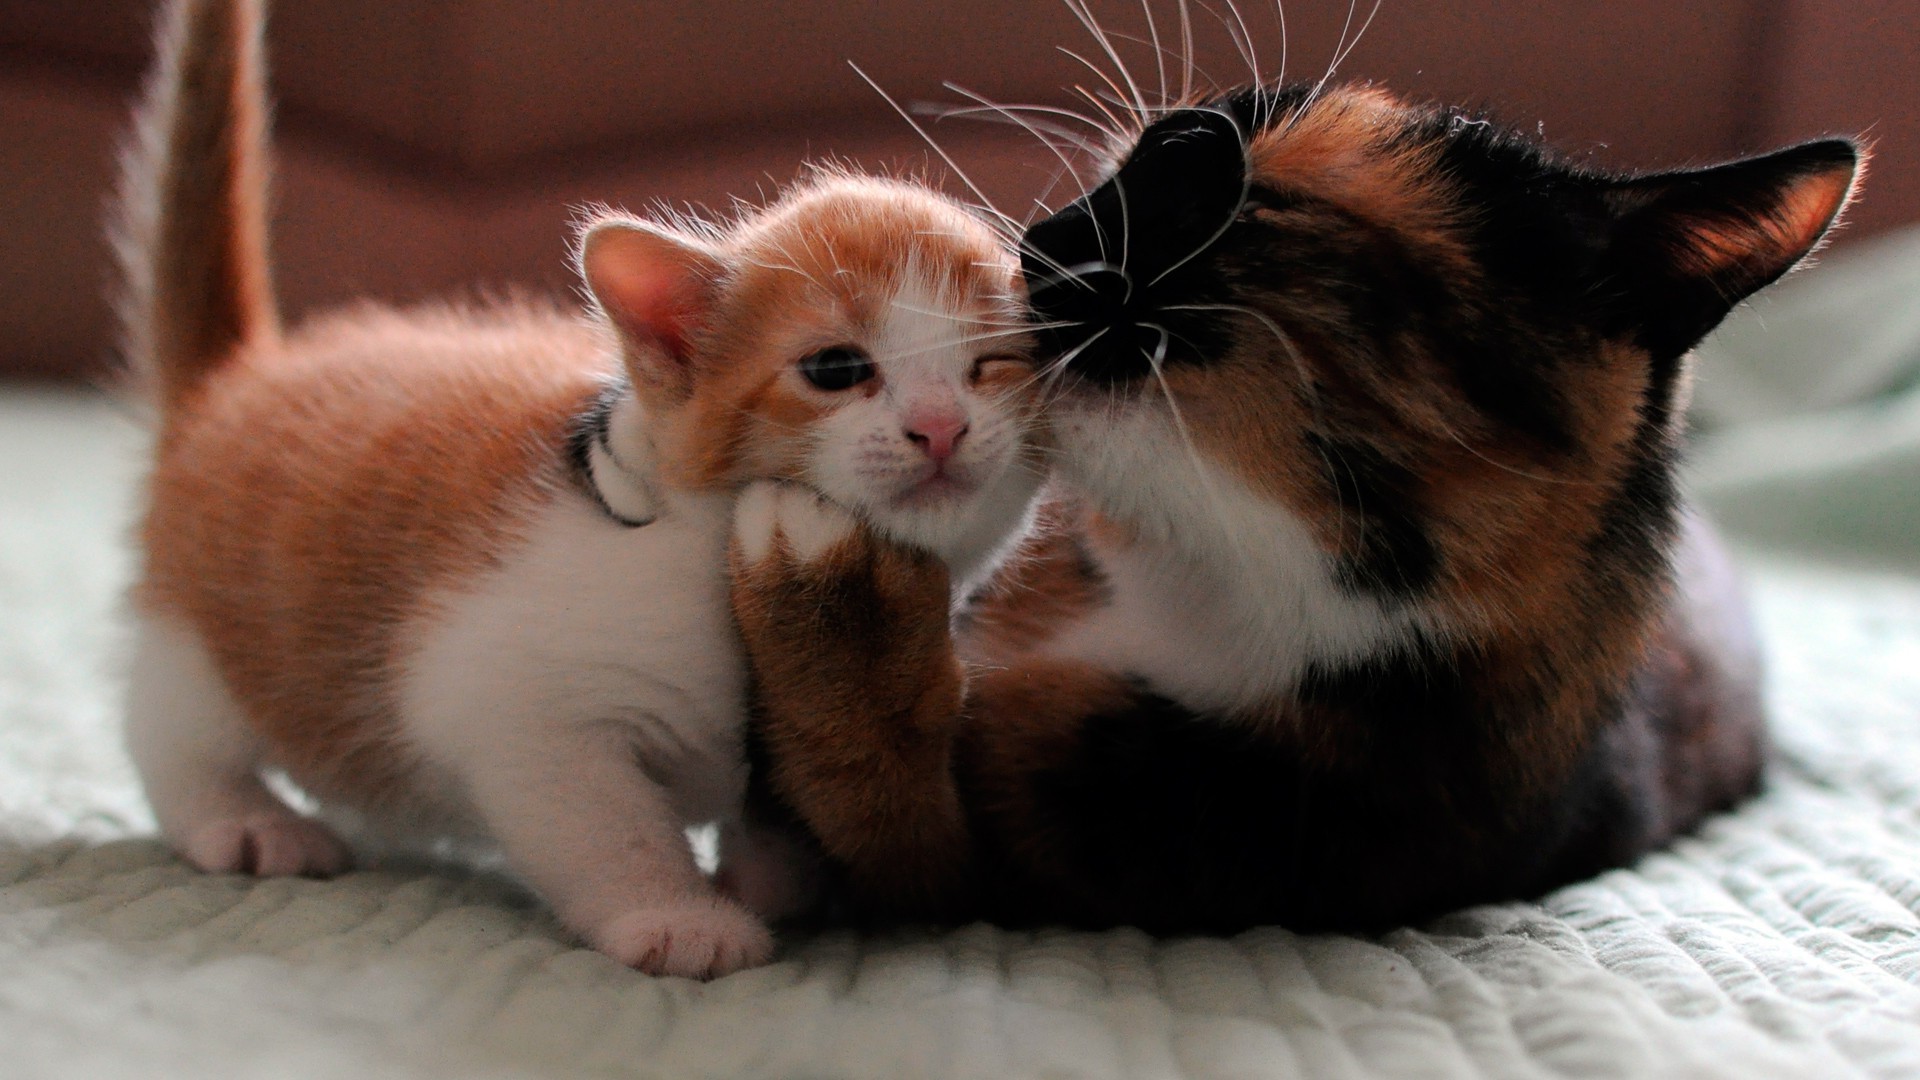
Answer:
(656, 287)
(1779, 234)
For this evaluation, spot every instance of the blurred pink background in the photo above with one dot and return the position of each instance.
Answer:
(436, 146)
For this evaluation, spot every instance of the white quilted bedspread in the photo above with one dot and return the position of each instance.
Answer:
(1784, 940)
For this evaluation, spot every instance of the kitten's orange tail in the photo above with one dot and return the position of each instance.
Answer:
(192, 228)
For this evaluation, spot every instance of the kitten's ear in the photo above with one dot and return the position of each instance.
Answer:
(1688, 246)
(656, 287)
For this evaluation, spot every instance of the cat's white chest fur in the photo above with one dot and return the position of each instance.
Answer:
(592, 629)
(1223, 599)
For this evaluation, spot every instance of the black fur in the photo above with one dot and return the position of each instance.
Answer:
(590, 430)
(1387, 549)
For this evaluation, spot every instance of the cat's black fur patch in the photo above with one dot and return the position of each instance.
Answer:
(1664, 303)
(1178, 822)
(1116, 277)
(1386, 548)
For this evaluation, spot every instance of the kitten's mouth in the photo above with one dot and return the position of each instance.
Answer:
(934, 490)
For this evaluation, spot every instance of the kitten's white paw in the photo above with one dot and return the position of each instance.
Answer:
(267, 845)
(770, 513)
(698, 938)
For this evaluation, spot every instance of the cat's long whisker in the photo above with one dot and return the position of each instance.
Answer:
(1362, 32)
(1246, 186)
(1032, 128)
(1012, 319)
(1284, 339)
(1307, 388)
(1031, 118)
(1156, 362)
(1159, 55)
(1243, 39)
(1280, 14)
(1515, 470)
(1099, 101)
(1085, 14)
(1010, 114)
(1186, 50)
(1068, 357)
(986, 204)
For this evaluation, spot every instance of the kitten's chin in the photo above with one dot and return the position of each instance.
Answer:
(968, 527)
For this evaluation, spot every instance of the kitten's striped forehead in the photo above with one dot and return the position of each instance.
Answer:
(861, 242)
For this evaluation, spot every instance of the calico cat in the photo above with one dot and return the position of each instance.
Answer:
(1366, 590)
(461, 571)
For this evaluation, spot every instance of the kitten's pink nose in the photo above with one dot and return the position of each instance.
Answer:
(937, 432)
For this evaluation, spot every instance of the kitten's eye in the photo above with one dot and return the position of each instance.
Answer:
(997, 367)
(839, 368)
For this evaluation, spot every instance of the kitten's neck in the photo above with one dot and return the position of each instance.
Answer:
(615, 458)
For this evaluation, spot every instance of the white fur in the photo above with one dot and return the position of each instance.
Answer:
(623, 477)
(768, 512)
(926, 348)
(1225, 598)
(199, 761)
(588, 695)
(579, 704)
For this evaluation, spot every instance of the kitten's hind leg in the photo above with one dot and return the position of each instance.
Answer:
(199, 761)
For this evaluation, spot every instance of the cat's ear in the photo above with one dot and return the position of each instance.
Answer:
(657, 287)
(1688, 246)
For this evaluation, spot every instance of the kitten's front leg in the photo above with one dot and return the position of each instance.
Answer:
(603, 844)
(857, 693)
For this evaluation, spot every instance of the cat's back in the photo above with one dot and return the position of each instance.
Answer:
(309, 495)
(373, 416)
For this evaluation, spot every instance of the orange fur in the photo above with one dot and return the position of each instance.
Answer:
(197, 281)
(317, 490)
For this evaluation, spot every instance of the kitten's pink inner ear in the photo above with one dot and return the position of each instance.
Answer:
(656, 288)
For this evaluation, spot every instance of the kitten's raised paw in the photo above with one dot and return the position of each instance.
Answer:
(771, 516)
(267, 845)
(695, 939)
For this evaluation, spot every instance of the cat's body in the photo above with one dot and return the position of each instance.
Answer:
(462, 572)
(1368, 592)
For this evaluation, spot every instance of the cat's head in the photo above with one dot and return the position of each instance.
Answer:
(1450, 360)
(863, 336)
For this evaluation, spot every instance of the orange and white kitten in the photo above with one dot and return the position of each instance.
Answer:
(462, 572)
